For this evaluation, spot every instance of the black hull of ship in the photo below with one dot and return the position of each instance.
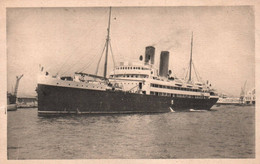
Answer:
(56, 100)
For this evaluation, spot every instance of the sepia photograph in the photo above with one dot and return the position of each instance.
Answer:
(137, 82)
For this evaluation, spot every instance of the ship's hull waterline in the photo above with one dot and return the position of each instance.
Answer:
(57, 100)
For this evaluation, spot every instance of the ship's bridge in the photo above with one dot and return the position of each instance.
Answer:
(133, 70)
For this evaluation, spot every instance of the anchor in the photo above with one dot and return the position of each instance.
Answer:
(171, 109)
(77, 111)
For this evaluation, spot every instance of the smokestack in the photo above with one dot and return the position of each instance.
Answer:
(149, 55)
(164, 62)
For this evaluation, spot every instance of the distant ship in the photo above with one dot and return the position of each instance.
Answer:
(225, 100)
(130, 88)
(250, 97)
(12, 97)
(27, 102)
(247, 97)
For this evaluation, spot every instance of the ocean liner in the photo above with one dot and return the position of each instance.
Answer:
(132, 87)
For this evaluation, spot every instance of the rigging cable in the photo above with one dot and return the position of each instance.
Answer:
(186, 72)
(69, 56)
(197, 74)
(85, 65)
(112, 58)
(66, 60)
(73, 64)
(112, 54)
(81, 59)
(100, 59)
(89, 63)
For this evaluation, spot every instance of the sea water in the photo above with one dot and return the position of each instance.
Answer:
(224, 132)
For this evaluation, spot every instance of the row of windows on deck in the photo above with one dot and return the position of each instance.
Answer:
(138, 68)
(177, 95)
(175, 88)
(130, 75)
(87, 86)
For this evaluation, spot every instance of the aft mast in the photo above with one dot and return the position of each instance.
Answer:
(191, 57)
(107, 43)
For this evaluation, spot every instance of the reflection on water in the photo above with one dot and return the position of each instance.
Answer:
(226, 132)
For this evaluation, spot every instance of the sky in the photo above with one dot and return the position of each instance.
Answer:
(66, 40)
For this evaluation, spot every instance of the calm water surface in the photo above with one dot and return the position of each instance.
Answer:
(227, 132)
